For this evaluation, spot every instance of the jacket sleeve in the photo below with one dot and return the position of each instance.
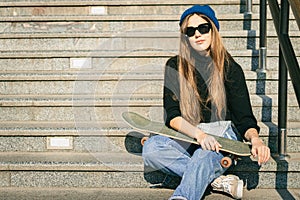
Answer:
(171, 91)
(238, 99)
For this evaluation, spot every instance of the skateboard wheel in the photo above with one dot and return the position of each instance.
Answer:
(143, 140)
(226, 162)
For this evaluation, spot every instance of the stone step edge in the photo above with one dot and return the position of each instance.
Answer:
(85, 18)
(59, 161)
(94, 74)
(113, 100)
(54, 161)
(135, 34)
(118, 3)
(133, 193)
(115, 128)
(120, 54)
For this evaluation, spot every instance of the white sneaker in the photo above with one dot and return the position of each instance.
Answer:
(230, 184)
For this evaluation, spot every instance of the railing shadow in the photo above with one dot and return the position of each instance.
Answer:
(282, 166)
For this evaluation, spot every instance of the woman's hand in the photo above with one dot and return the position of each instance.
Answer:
(260, 150)
(208, 142)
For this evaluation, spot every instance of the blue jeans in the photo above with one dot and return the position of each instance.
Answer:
(197, 170)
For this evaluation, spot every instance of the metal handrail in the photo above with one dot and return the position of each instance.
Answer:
(287, 62)
(287, 49)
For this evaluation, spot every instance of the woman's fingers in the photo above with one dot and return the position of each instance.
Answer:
(218, 147)
(210, 143)
(262, 153)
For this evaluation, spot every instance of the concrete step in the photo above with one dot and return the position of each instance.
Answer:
(163, 12)
(104, 100)
(104, 128)
(114, 24)
(135, 72)
(114, 87)
(102, 136)
(131, 42)
(98, 144)
(140, 8)
(47, 11)
(38, 14)
(126, 63)
(115, 7)
(161, 17)
(141, 33)
(124, 170)
(107, 113)
(132, 194)
(117, 26)
(116, 54)
(80, 100)
(64, 107)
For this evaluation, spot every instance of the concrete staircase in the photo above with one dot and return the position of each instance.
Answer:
(70, 68)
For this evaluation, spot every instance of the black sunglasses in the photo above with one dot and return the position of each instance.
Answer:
(202, 28)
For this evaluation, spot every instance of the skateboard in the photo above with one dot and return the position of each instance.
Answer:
(144, 125)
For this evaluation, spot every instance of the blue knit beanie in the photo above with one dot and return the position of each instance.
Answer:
(205, 10)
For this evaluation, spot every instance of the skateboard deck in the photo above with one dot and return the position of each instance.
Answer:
(140, 123)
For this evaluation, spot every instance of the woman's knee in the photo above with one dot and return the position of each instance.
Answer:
(207, 157)
(152, 146)
(209, 161)
(153, 143)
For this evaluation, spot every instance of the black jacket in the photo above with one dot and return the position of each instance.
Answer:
(239, 109)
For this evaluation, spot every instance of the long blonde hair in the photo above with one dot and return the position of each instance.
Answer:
(190, 99)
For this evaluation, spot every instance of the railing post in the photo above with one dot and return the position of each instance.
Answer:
(282, 84)
(263, 37)
(248, 7)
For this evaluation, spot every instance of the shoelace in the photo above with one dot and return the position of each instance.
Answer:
(226, 187)
(226, 182)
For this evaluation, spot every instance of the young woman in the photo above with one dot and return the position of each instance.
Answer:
(204, 92)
